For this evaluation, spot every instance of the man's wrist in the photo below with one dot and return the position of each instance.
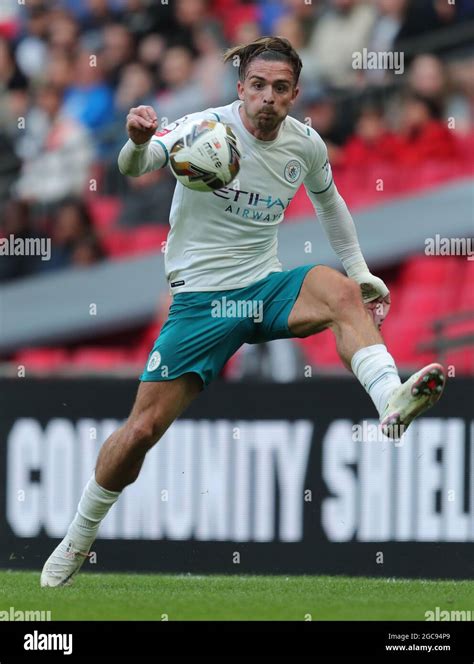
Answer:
(355, 267)
(138, 147)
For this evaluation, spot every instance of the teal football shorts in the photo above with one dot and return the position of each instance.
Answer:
(204, 329)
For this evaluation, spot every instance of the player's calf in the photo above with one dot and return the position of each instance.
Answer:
(121, 457)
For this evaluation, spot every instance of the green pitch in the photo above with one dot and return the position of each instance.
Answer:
(189, 597)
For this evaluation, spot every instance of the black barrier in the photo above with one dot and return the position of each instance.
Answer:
(254, 478)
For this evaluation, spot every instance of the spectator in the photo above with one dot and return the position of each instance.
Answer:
(216, 80)
(70, 226)
(16, 221)
(136, 87)
(90, 99)
(58, 152)
(307, 13)
(428, 78)
(320, 110)
(245, 31)
(9, 19)
(461, 108)
(188, 15)
(13, 88)
(181, 94)
(147, 199)
(31, 52)
(420, 17)
(372, 142)
(242, 23)
(60, 70)
(425, 16)
(424, 136)
(87, 251)
(117, 51)
(143, 18)
(387, 25)
(62, 33)
(150, 51)
(94, 16)
(10, 166)
(290, 27)
(11, 77)
(340, 32)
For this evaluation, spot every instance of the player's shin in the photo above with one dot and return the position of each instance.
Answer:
(375, 368)
(68, 557)
(94, 504)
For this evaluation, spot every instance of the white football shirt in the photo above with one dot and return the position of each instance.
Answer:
(228, 238)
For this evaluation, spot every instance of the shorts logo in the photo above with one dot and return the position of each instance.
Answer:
(154, 361)
(292, 170)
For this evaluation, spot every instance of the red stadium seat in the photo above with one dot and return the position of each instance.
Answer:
(149, 238)
(42, 359)
(116, 243)
(104, 211)
(99, 357)
(465, 287)
(431, 270)
(462, 360)
(120, 243)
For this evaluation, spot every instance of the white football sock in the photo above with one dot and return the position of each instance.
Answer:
(375, 368)
(93, 506)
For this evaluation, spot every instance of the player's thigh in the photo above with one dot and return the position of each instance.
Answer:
(316, 305)
(159, 403)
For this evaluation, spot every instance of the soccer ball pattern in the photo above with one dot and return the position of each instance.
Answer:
(207, 157)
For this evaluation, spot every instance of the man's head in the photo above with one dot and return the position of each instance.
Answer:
(269, 70)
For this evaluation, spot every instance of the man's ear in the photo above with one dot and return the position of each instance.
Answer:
(295, 94)
(240, 89)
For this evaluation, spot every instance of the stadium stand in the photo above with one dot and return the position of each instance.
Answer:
(72, 70)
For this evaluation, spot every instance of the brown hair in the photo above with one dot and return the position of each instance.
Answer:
(267, 48)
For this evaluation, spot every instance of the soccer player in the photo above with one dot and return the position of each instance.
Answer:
(224, 243)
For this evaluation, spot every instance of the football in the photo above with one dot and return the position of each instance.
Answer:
(206, 157)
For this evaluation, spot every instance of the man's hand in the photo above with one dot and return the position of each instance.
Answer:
(379, 309)
(142, 123)
(375, 295)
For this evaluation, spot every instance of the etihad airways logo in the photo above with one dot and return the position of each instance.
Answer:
(252, 198)
(248, 201)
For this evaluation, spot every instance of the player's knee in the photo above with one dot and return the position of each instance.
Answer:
(143, 433)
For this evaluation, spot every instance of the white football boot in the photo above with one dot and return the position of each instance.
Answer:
(62, 565)
(413, 397)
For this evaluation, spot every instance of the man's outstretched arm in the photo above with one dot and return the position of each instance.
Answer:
(140, 154)
(340, 229)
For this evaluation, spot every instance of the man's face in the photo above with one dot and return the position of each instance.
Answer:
(268, 93)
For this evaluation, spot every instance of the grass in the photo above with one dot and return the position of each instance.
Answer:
(186, 597)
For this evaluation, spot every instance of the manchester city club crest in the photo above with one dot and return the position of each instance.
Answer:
(154, 361)
(292, 170)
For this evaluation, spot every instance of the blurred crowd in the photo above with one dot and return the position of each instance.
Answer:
(70, 70)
